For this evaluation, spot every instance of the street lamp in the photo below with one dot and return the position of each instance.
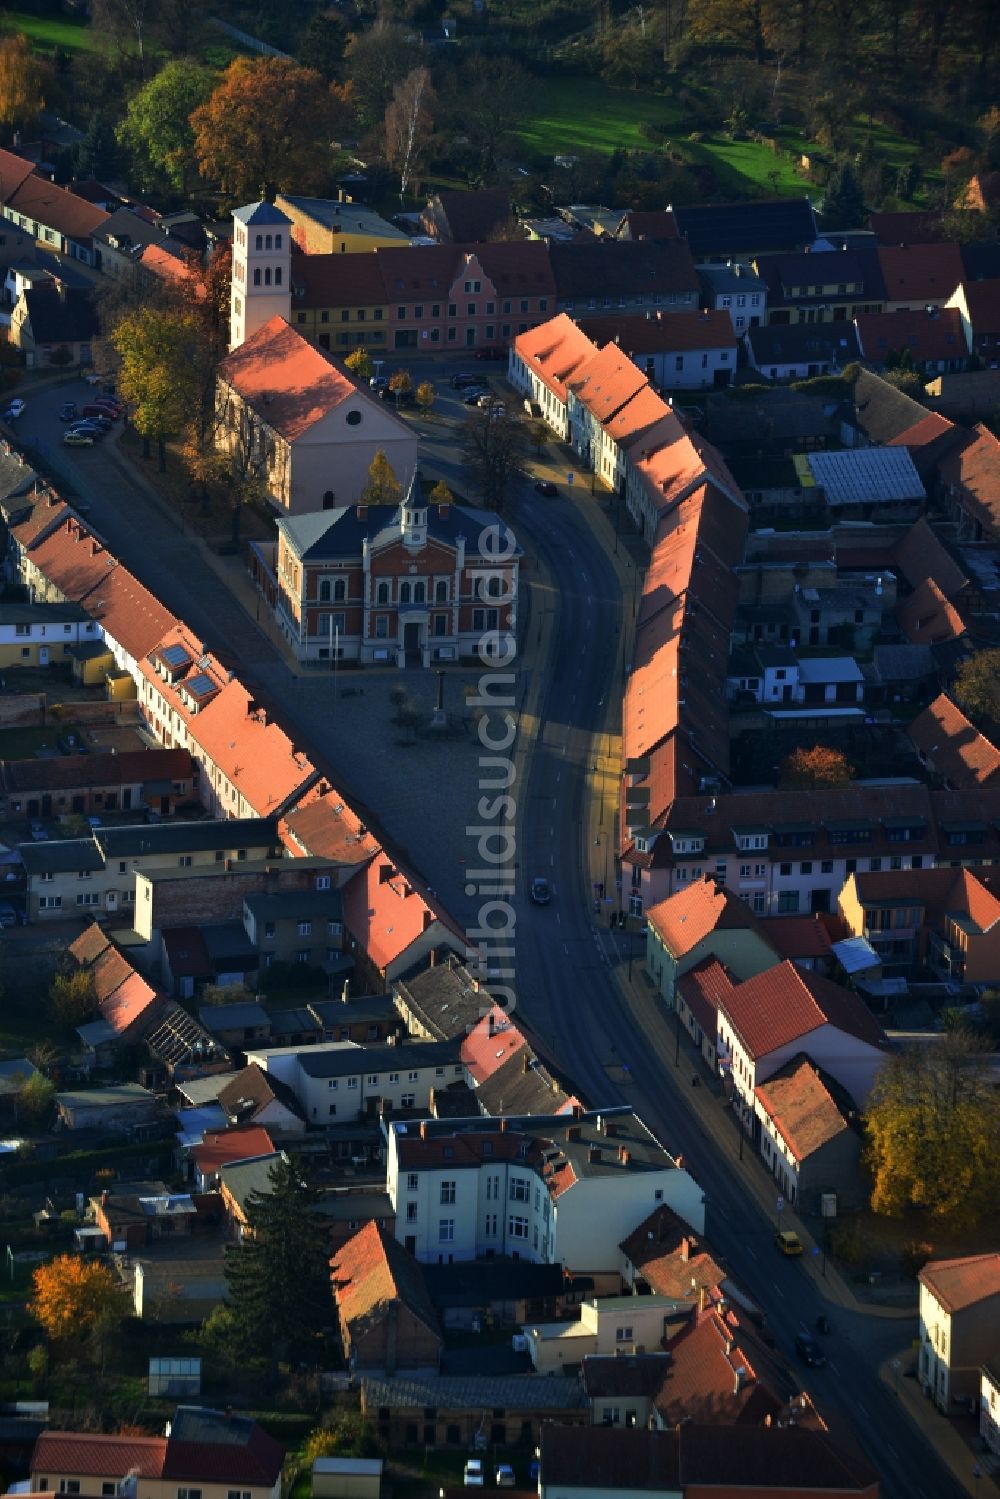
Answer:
(597, 844)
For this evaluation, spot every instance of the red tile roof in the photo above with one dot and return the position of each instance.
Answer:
(670, 1257)
(220, 1147)
(556, 351)
(797, 936)
(946, 741)
(371, 1272)
(290, 382)
(254, 753)
(14, 170)
(336, 280)
(906, 228)
(132, 1002)
(982, 299)
(696, 910)
(923, 335)
(87, 948)
(919, 554)
(649, 224)
(701, 1383)
(385, 912)
(485, 1049)
(606, 382)
(170, 267)
(57, 208)
(924, 432)
(920, 273)
(702, 988)
(927, 618)
(784, 1003)
(110, 969)
(972, 474)
(802, 1108)
(95, 1455)
(960, 1283)
(321, 824)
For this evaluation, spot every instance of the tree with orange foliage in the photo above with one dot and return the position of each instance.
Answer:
(813, 769)
(267, 122)
(73, 1297)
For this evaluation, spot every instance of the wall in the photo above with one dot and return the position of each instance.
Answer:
(596, 1214)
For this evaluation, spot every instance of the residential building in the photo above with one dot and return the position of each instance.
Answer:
(766, 1021)
(336, 226)
(720, 232)
(292, 416)
(800, 351)
(624, 275)
(664, 1257)
(676, 351)
(296, 926)
(142, 781)
(951, 749)
(616, 1326)
(390, 583)
(959, 1327)
(657, 223)
(928, 618)
(213, 1450)
(387, 1319)
(322, 825)
(345, 1081)
(970, 486)
(212, 897)
(251, 1097)
(558, 1189)
(392, 925)
(828, 286)
(466, 217)
(115, 1109)
(701, 920)
(54, 326)
(222, 1147)
(944, 919)
(766, 673)
(520, 1407)
(920, 276)
(40, 635)
(989, 1408)
(810, 1137)
(978, 305)
(541, 363)
(737, 290)
(695, 1462)
(444, 1001)
(128, 1006)
(54, 216)
(931, 340)
(339, 302)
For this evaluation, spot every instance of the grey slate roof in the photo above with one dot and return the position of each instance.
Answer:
(295, 903)
(799, 343)
(728, 228)
(216, 1018)
(883, 412)
(445, 999)
(339, 533)
(366, 1008)
(240, 1178)
(61, 320)
(345, 1061)
(856, 476)
(186, 837)
(60, 855)
(261, 213)
(526, 1392)
(903, 663)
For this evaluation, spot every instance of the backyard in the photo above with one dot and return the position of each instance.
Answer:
(47, 33)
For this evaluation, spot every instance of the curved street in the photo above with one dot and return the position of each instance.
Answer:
(570, 997)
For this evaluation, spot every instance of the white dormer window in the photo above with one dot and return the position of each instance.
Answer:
(641, 845)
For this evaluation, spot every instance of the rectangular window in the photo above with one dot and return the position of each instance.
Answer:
(408, 1100)
(446, 1230)
(517, 1228)
(411, 1212)
(413, 1180)
(447, 1192)
(623, 1335)
(520, 1189)
(305, 928)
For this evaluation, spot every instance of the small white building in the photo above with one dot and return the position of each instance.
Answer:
(959, 1327)
(340, 1080)
(737, 290)
(616, 1325)
(989, 1407)
(541, 363)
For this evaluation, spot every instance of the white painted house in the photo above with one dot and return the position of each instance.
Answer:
(343, 1081)
(959, 1327)
(557, 1189)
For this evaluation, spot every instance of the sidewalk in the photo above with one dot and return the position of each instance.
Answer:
(951, 1438)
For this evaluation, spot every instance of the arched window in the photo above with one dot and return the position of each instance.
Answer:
(267, 276)
(267, 242)
(324, 591)
(277, 275)
(441, 592)
(382, 593)
(418, 593)
(340, 590)
(260, 242)
(256, 276)
(404, 593)
(277, 241)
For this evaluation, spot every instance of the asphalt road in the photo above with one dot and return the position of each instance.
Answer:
(567, 995)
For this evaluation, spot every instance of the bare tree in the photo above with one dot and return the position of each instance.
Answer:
(124, 18)
(493, 441)
(408, 122)
(250, 454)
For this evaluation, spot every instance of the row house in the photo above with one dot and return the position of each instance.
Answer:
(824, 286)
(542, 361)
(608, 275)
(959, 1326)
(978, 305)
(720, 232)
(54, 216)
(945, 920)
(447, 296)
(562, 1189)
(413, 583)
(790, 852)
(393, 924)
(335, 1082)
(141, 781)
(970, 486)
(676, 351)
(930, 340)
(41, 635)
(920, 276)
(736, 290)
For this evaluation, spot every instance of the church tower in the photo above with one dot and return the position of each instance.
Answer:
(262, 270)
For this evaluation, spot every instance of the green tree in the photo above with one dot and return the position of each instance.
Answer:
(359, 362)
(278, 1277)
(932, 1124)
(97, 154)
(382, 486)
(977, 686)
(158, 349)
(843, 200)
(350, 1435)
(324, 41)
(156, 130)
(73, 998)
(375, 61)
(34, 1098)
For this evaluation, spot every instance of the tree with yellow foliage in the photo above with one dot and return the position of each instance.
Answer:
(811, 769)
(382, 488)
(24, 79)
(73, 1297)
(158, 348)
(932, 1122)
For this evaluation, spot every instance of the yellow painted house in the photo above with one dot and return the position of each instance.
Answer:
(336, 226)
(42, 634)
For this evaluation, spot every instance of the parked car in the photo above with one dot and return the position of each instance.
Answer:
(38, 833)
(547, 488)
(809, 1351)
(491, 351)
(486, 399)
(95, 412)
(505, 1476)
(92, 429)
(379, 382)
(473, 1477)
(788, 1242)
(111, 408)
(14, 410)
(67, 411)
(99, 419)
(475, 395)
(459, 382)
(8, 915)
(79, 439)
(541, 894)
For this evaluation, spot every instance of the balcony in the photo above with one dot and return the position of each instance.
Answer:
(944, 958)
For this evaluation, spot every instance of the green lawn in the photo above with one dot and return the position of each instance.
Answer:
(48, 32)
(24, 744)
(583, 114)
(747, 166)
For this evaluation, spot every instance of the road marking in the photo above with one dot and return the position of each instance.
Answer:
(552, 860)
(892, 1451)
(859, 1407)
(750, 1252)
(778, 1289)
(833, 1366)
(558, 918)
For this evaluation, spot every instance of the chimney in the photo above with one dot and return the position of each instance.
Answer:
(701, 1298)
(475, 986)
(624, 1155)
(95, 547)
(444, 510)
(578, 1113)
(362, 512)
(423, 1129)
(685, 1249)
(432, 958)
(503, 1126)
(526, 1064)
(594, 1154)
(491, 1025)
(385, 873)
(679, 1162)
(428, 919)
(345, 992)
(104, 1198)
